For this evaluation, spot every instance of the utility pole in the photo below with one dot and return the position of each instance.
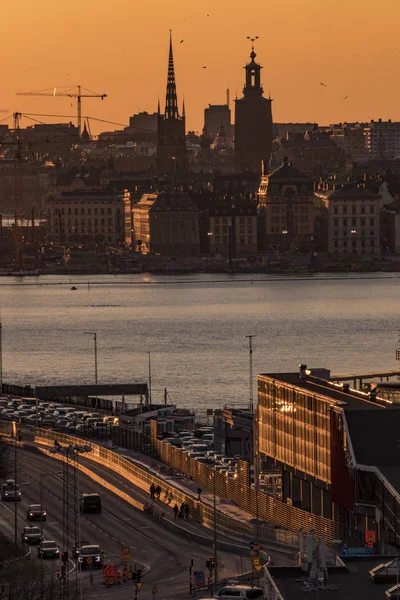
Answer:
(15, 483)
(215, 532)
(250, 338)
(94, 334)
(149, 353)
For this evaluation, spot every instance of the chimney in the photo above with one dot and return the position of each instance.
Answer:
(373, 394)
(346, 388)
(302, 373)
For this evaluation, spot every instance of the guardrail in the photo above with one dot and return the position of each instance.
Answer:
(139, 476)
(271, 589)
(270, 510)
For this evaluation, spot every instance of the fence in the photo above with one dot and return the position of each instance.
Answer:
(269, 509)
(271, 589)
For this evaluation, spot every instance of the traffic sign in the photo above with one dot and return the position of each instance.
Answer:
(125, 550)
(251, 545)
(154, 589)
(258, 567)
(139, 585)
(358, 551)
(256, 547)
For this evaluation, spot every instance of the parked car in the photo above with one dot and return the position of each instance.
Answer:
(243, 592)
(36, 513)
(31, 535)
(48, 549)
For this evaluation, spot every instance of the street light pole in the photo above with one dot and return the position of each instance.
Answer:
(41, 533)
(215, 531)
(250, 338)
(94, 334)
(15, 483)
(149, 353)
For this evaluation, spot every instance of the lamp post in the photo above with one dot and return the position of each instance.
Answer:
(15, 483)
(149, 353)
(250, 338)
(94, 334)
(42, 475)
(215, 530)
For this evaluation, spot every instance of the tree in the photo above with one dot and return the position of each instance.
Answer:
(21, 579)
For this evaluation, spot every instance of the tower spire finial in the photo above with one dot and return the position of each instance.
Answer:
(171, 101)
(252, 39)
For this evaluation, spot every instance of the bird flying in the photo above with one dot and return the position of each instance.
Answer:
(181, 42)
(204, 67)
(345, 98)
(323, 84)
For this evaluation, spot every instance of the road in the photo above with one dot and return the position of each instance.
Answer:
(163, 554)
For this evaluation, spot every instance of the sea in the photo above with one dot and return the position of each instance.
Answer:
(195, 328)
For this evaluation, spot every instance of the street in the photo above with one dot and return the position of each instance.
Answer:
(163, 555)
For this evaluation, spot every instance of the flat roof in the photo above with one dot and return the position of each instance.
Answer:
(355, 583)
(372, 375)
(347, 400)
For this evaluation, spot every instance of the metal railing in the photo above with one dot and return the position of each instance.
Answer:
(271, 589)
(270, 510)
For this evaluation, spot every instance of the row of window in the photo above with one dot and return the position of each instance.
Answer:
(303, 208)
(243, 240)
(296, 229)
(363, 209)
(354, 221)
(83, 211)
(84, 230)
(283, 219)
(344, 244)
(81, 222)
(345, 233)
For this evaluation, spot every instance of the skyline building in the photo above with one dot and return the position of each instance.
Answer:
(171, 144)
(253, 122)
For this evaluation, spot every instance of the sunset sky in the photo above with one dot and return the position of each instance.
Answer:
(120, 47)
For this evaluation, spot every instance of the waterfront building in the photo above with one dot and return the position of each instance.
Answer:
(87, 217)
(166, 223)
(287, 208)
(330, 443)
(253, 122)
(353, 220)
(171, 143)
(233, 227)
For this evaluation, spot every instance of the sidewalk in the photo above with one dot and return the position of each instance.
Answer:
(190, 488)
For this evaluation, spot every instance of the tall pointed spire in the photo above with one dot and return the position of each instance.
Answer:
(171, 100)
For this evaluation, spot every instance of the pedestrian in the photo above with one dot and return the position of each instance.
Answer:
(152, 491)
(158, 492)
(186, 511)
(176, 510)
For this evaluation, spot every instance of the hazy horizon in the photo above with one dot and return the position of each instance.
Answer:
(121, 49)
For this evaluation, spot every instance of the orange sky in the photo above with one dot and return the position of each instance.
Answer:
(120, 47)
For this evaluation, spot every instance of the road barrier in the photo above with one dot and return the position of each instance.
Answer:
(269, 509)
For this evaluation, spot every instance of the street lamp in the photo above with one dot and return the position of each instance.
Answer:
(94, 334)
(42, 475)
(149, 353)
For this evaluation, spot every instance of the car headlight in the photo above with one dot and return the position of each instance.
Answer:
(57, 552)
(80, 559)
(44, 513)
(6, 493)
(31, 514)
(97, 558)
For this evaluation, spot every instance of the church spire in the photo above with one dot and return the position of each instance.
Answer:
(253, 73)
(171, 100)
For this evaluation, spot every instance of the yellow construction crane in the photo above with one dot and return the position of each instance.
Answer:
(69, 93)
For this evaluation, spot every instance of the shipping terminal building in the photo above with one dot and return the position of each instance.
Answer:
(338, 449)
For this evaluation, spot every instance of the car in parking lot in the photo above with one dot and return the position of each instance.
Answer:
(31, 535)
(48, 549)
(199, 449)
(10, 491)
(36, 513)
(242, 592)
(90, 557)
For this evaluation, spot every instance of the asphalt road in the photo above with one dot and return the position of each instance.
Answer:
(162, 553)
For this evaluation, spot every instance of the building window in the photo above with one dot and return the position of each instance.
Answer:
(336, 243)
(372, 221)
(353, 222)
(372, 243)
(82, 211)
(69, 211)
(335, 210)
(345, 210)
(363, 222)
(354, 243)
(75, 211)
(335, 222)
(344, 243)
(354, 210)
(372, 209)
(344, 222)
(363, 210)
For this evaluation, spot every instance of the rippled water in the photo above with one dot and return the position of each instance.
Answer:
(194, 328)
